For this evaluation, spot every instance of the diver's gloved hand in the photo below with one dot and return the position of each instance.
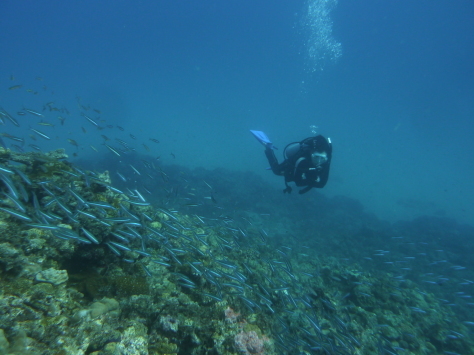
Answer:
(287, 190)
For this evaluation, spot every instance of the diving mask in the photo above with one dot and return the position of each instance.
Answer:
(319, 158)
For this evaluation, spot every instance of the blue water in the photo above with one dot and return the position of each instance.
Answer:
(390, 82)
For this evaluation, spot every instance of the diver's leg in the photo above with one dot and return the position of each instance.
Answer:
(273, 161)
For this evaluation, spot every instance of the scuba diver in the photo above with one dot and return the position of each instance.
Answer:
(306, 163)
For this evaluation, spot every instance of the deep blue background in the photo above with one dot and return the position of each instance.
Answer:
(398, 104)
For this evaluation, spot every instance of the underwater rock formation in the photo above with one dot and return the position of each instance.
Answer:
(89, 269)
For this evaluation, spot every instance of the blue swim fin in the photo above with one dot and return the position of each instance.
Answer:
(262, 138)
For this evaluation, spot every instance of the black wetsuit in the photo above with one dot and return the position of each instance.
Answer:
(299, 168)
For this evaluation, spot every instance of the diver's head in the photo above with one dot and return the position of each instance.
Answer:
(320, 150)
(319, 158)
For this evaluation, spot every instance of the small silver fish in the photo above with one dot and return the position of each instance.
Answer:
(41, 134)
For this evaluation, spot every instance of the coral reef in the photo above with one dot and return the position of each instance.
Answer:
(88, 269)
(249, 343)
